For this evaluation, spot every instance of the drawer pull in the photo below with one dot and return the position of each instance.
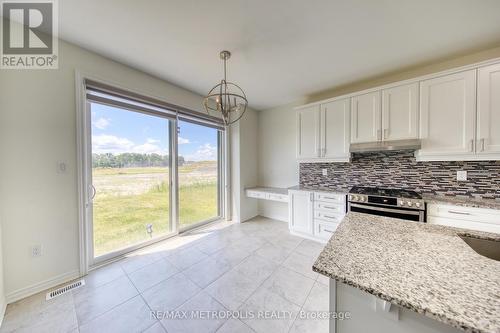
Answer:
(330, 217)
(459, 213)
(329, 207)
(330, 231)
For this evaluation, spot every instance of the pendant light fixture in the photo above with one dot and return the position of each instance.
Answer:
(226, 99)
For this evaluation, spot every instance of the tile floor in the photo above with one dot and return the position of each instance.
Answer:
(255, 266)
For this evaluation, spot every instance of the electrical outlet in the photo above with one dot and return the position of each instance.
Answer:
(62, 167)
(36, 251)
(461, 176)
(325, 172)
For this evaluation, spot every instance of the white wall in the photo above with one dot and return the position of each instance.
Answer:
(38, 129)
(3, 303)
(244, 165)
(278, 165)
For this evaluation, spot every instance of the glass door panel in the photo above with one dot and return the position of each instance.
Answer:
(131, 178)
(198, 174)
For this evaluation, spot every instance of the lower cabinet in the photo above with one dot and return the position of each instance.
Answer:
(315, 215)
(480, 219)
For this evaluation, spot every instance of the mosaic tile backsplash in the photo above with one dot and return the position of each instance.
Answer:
(401, 170)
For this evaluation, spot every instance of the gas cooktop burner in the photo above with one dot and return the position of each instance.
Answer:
(385, 192)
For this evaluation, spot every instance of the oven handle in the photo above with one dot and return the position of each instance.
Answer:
(390, 210)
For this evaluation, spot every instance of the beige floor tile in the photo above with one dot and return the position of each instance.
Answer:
(290, 285)
(131, 316)
(171, 293)
(186, 258)
(200, 318)
(206, 271)
(235, 326)
(301, 264)
(232, 289)
(91, 302)
(152, 274)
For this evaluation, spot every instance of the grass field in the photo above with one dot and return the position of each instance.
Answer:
(128, 199)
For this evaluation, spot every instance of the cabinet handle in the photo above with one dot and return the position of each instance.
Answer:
(330, 231)
(379, 134)
(482, 144)
(386, 132)
(459, 213)
(330, 217)
(471, 145)
(311, 197)
(324, 152)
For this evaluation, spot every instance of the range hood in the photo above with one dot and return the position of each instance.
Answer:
(367, 147)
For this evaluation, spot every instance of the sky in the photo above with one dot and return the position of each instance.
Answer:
(119, 131)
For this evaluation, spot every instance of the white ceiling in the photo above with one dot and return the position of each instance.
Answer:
(282, 50)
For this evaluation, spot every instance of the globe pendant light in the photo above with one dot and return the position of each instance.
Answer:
(226, 100)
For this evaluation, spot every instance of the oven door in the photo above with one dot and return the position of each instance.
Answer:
(405, 214)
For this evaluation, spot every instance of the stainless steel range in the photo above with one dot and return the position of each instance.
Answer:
(403, 204)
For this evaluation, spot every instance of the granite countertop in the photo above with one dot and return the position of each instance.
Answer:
(461, 201)
(338, 190)
(425, 268)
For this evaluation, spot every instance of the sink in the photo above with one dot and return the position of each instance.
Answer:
(485, 247)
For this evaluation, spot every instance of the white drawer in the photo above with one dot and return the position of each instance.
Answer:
(327, 207)
(329, 197)
(328, 217)
(256, 194)
(324, 230)
(479, 226)
(465, 213)
(277, 197)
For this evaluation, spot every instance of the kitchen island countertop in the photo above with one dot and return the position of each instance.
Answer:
(425, 268)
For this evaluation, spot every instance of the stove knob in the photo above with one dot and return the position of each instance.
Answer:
(417, 204)
(355, 198)
(361, 199)
(409, 203)
(401, 203)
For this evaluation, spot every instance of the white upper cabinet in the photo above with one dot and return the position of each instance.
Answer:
(448, 116)
(488, 110)
(308, 133)
(366, 118)
(400, 112)
(335, 127)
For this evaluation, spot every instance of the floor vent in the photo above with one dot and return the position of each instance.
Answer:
(65, 289)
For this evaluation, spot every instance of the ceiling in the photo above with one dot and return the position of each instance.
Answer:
(282, 50)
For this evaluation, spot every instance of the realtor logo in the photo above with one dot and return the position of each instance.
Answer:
(29, 35)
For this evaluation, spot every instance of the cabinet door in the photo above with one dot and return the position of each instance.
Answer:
(308, 131)
(335, 125)
(447, 116)
(300, 211)
(488, 110)
(400, 112)
(366, 118)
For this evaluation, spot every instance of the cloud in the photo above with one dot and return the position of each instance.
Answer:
(110, 144)
(182, 141)
(149, 148)
(206, 152)
(102, 144)
(101, 123)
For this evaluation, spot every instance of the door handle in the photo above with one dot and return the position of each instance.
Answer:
(93, 192)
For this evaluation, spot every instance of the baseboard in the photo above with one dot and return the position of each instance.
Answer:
(3, 307)
(41, 286)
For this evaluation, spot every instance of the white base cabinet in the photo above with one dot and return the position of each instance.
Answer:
(480, 219)
(315, 215)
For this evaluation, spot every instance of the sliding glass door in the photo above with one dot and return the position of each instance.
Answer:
(149, 172)
(199, 173)
(131, 163)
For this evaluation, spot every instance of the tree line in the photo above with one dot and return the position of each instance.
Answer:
(132, 160)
